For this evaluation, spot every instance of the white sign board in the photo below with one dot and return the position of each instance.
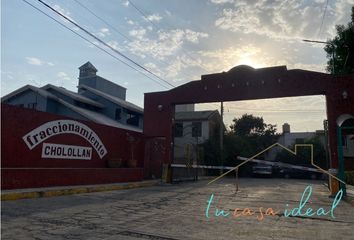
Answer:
(49, 129)
(51, 150)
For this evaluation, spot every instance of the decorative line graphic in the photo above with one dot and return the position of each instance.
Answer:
(289, 150)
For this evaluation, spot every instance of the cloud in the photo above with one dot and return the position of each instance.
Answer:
(34, 61)
(222, 1)
(38, 62)
(130, 22)
(63, 76)
(64, 12)
(154, 68)
(289, 20)
(165, 44)
(115, 45)
(194, 36)
(225, 59)
(137, 33)
(103, 32)
(154, 17)
(7, 74)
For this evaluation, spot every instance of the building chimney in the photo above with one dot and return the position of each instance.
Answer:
(87, 70)
(286, 128)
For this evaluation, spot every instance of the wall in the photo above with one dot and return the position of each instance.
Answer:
(185, 108)
(113, 89)
(287, 139)
(29, 97)
(110, 108)
(22, 167)
(104, 85)
(180, 143)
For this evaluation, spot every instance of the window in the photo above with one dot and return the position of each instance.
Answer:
(32, 105)
(196, 129)
(117, 115)
(133, 119)
(178, 129)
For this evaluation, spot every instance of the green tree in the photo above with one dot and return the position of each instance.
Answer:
(259, 134)
(340, 50)
(248, 135)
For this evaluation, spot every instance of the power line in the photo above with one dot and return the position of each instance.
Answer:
(147, 18)
(106, 22)
(105, 44)
(142, 13)
(102, 49)
(116, 30)
(323, 17)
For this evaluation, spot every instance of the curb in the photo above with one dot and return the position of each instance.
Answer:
(70, 190)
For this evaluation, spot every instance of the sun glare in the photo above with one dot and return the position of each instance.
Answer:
(250, 62)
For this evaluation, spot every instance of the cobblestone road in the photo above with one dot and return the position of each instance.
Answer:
(178, 212)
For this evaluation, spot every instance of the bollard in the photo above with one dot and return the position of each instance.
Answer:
(333, 183)
(166, 173)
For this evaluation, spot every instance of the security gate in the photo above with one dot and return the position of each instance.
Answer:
(185, 156)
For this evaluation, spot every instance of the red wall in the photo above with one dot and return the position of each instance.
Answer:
(22, 167)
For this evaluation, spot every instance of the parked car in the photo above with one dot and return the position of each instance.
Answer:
(297, 173)
(262, 169)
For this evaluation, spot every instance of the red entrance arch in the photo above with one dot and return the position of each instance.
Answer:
(246, 83)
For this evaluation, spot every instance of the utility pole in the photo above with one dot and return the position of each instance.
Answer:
(221, 134)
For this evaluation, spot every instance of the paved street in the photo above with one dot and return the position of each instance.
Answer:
(179, 212)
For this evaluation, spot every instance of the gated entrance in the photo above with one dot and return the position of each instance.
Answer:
(246, 83)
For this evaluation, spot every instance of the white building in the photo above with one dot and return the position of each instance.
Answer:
(193, 128)
(288, 138)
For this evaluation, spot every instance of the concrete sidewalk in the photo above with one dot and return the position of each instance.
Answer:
(16, 194)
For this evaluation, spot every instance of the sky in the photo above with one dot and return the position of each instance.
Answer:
(177, 40)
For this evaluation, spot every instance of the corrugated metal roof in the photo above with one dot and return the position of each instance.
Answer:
(113, 99)
(98, 117)
(41, 92)
(73, 95)
(90, 115)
